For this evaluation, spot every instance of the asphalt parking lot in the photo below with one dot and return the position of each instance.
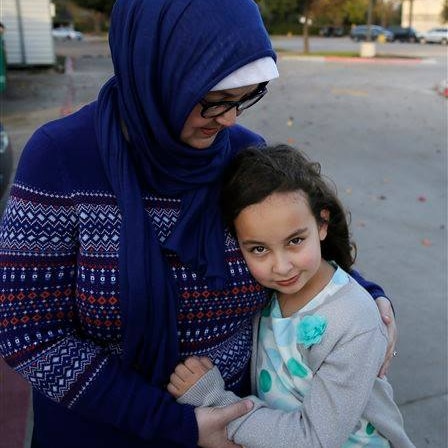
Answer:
(379, 130)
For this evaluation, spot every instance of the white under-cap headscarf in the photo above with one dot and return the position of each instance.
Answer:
(260, 70)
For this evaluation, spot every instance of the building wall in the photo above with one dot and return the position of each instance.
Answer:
(12, 39)
(426, 14)
(28, 38)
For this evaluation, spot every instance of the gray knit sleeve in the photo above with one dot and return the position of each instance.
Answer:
(209, 391)
(340, 391)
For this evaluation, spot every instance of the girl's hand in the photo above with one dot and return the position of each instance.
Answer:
(188, 373)
(388, 317)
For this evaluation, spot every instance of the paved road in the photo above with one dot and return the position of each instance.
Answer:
(380, 132)
(322, 44)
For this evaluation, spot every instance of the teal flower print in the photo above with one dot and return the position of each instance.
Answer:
(311, 329)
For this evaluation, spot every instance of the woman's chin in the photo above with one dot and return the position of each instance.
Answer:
(201, 143)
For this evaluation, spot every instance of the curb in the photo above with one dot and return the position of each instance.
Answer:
(359, 60)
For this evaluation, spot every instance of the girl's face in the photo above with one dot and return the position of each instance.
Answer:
(199, 132)
(280, 241)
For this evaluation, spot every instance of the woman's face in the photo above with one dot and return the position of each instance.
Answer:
(199, 132)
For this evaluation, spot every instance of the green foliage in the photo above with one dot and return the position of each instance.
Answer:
(356, 10)
(444, 13)
(328, 12)
(104, 6)
(277, 12)
(284, 14)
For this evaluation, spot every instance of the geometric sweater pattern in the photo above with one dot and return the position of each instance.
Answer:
(60, 317)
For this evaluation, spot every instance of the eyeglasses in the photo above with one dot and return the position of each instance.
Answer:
(216, 108)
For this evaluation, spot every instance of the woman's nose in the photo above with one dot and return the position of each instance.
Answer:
(229, 118)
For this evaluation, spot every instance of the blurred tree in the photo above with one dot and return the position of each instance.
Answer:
(63, 15)
(337, 12)
(329, 12)
(444, 13)
(387, 12)
(306, 19)
(300, 14)
(281, 15)
(356, 10)
(265, 11)
(287, 14)
(279, 12)
(101, 8)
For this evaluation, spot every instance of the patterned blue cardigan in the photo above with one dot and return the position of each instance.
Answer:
(60, 317)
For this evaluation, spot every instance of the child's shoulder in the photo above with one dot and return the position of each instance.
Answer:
(351, 307)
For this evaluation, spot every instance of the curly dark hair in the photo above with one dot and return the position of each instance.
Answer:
(256, 173)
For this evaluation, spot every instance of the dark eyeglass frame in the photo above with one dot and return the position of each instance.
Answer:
(250, 99)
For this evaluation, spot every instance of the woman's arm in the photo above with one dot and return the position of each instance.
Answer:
(387, 315)
(372, 288)
(42, 332)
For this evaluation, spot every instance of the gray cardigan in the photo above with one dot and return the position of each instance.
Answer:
(344, 388)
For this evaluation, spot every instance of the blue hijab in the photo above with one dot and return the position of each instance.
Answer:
(167, 55)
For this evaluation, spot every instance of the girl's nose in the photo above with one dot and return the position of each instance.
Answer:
(229, 118)
(282, 265)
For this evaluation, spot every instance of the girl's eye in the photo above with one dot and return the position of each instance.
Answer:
(258, 250)
(295, 241)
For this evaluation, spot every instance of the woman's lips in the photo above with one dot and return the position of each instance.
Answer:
(209, 132)
(288, 282)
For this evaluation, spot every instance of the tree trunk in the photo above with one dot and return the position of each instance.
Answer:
(306, 40)
(97, 22)
(306, 43)
(411, 12)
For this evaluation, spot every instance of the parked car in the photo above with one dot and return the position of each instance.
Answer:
(5, 160)
(331, 31)
(403, 34)
(437, 35)
(360, 33)
(66, 33)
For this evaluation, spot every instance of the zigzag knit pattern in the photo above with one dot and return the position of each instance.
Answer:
(60, 317)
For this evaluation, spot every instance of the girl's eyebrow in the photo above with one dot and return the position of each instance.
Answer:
(252, 243)
(297, 232)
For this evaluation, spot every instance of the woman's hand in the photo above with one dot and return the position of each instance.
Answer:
(187, 374)
(388, 317)
(212, 424)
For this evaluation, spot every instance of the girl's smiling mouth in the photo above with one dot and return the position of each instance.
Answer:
(289, 281)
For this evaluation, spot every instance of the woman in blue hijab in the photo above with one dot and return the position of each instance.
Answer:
(114, 225)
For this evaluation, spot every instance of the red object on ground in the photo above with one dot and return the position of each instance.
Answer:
(15, 401)
(442, 88)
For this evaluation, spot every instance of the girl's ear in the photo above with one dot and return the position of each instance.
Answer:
(323, 227)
